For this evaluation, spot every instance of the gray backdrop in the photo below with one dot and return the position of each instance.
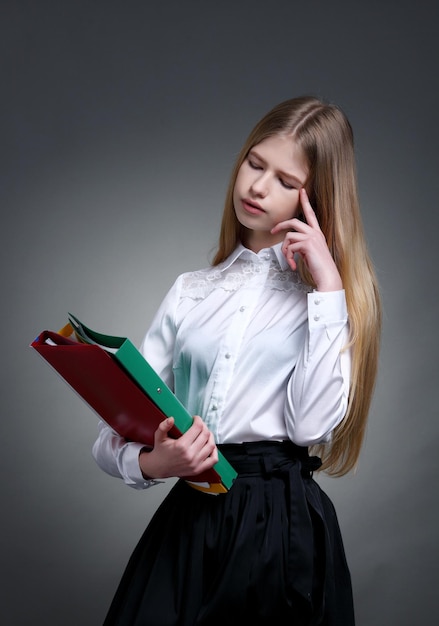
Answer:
(120, 124)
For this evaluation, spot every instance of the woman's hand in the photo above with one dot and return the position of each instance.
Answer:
(306, 238)
(192, 453)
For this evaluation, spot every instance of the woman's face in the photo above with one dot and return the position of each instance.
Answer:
(267, 188)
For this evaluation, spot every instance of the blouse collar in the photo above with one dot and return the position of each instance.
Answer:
(274, 252)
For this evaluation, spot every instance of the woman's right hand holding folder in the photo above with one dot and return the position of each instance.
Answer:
(189, 455)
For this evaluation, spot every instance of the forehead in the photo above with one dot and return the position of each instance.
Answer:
(282, 152)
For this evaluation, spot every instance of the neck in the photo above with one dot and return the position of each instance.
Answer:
(258, 240)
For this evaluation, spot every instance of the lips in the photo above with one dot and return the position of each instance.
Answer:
(252, 207)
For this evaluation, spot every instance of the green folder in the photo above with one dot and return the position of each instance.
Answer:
(150, 382)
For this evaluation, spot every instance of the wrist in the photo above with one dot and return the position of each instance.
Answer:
(146, 464)
(330, 285)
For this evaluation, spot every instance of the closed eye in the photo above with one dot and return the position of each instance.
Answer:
(254, 165)
(286, 185)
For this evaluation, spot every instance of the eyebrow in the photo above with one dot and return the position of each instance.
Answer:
(253, 152)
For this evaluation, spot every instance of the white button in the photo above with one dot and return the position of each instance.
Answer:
(317, 301)
(228, 355)
(242, 309)
(214, 408)
(316, 318)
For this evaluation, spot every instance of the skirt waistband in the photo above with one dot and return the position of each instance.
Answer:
(269, 457)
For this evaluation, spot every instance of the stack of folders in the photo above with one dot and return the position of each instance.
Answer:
(119, 384)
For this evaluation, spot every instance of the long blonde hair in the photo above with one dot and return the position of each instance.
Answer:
(325, 136)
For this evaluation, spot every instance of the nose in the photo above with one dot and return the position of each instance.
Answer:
(259, 186)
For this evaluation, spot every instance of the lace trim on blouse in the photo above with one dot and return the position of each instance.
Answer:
(199, 284)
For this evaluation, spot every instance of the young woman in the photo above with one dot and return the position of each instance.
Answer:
(274, 350)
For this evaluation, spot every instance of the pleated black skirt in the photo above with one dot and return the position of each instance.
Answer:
(267, 552)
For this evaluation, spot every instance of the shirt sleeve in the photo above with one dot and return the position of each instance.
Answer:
(318, 390)
(159, 342)
(120, 458)
(114, 454)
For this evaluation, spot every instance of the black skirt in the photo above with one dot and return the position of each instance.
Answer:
(267, 552)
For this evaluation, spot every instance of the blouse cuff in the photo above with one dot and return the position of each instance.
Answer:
(327, 308)
(131, 472)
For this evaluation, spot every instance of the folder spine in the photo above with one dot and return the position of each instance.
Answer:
(134, 363)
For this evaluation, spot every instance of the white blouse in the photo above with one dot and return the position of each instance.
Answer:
(252, 350)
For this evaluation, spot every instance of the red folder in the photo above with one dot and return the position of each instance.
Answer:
(109, 390)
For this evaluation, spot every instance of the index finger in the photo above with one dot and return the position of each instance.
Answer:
(308, 211)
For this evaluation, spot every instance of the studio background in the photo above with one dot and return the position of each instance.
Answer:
(120, 125)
